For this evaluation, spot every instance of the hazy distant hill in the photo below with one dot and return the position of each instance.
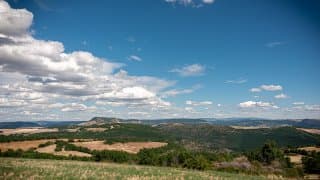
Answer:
(99, 121)
(108, 120)
(308, 123)
(182, 120)
(22, 124)
(18, 124)
(58, 123)
(303, 123)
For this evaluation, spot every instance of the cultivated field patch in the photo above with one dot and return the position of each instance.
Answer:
(72, 129)
(311, 148)
(312, 131)
(96, 129)
(130, 147)
(24, 145)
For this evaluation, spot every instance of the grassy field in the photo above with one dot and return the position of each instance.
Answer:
(13, 168)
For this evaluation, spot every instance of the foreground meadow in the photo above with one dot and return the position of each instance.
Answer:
(12, 168)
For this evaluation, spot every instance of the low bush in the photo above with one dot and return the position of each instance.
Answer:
(311, 163)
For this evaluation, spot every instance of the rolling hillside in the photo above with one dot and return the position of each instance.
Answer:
(223, 137)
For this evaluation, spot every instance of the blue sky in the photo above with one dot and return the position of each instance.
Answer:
(196, 58)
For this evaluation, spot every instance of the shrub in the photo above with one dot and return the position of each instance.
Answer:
(198, 162)
(268, 153)
(46, 144)
(293, 172)
(311, 163)
(114, 156)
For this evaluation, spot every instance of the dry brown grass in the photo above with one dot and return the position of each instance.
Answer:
(312, 131)
(130, 147)
(96, 129)
(24, 145)
(48, 149)
(72, 153)
(11, 168)
(31, 130)
(312, 176)
(311, 148)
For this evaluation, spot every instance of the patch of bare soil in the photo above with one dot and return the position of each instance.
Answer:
(96, 129)
(130, 147)
(24, 145)
(296, 159)
(51, 150)
(31, 130)
(312, 131)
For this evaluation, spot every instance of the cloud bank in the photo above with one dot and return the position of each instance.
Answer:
(39, 73)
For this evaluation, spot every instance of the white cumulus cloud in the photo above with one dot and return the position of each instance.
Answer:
(264, 87)
(237, 81)
(14, 22)
(190, 70)
(134, 58)
(41, 73)
(191, 3)
(198, 103)
(281, 96)
(257, 104)
(208, 1)
(298, 103)
(271, 87)
(255, 90)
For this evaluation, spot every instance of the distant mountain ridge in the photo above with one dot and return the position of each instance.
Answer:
(18, 124)
(48, 124)
(108, 120)
(301, 123)
(100, 121)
